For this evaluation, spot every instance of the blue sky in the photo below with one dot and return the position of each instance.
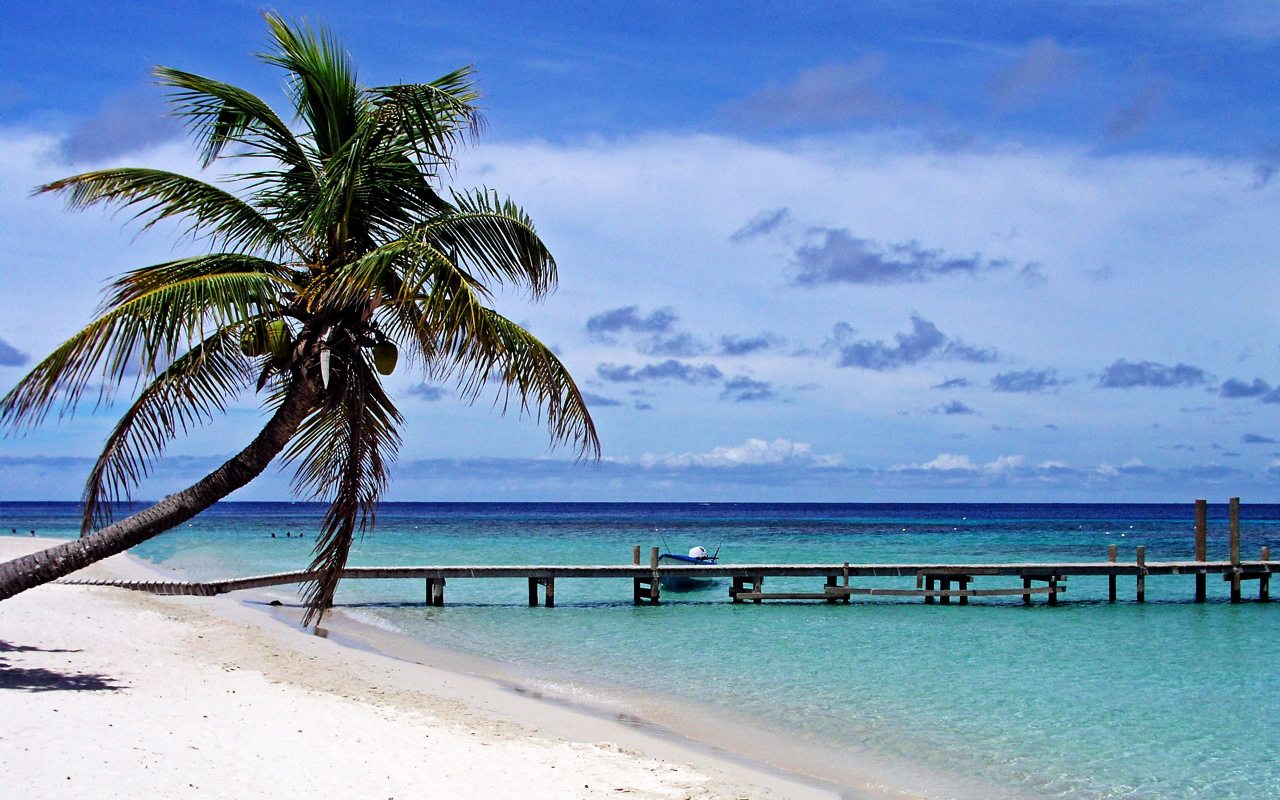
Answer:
(924, 252)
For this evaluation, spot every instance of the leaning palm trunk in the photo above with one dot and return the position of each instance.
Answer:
(47, 565)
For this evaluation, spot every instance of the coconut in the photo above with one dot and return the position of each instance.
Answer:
(385, 356)
(278, 338)
(252, 341)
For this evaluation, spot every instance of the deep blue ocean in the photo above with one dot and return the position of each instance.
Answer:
(1168, 699)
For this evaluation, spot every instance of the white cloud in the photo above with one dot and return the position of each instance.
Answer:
(752, 452)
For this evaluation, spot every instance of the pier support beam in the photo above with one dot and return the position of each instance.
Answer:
(1111, 579)
(435, 591)
(1234, 511)
(1142, 574)
(549, 592)
(1202, 537)
(1026, 594)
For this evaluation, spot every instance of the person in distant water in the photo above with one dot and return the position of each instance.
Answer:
(288, 534)
(273, 534)
(33, 533)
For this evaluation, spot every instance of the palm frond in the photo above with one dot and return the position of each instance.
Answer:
(494, 237)
(162, 195)
(138, 282)
(432, 118)
(187, 394)
(459, 336)
(140, 334)
(342, 452)
(321, 79)
(219, 114)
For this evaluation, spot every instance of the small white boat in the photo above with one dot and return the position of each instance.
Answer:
(683, 583)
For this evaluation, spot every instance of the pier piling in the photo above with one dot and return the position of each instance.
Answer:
(1142, 573)
(1111, 579)
(1264, 580)
(1202, 536)
(1235, 548)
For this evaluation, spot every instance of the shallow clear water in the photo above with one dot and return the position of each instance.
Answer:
(1085, 700)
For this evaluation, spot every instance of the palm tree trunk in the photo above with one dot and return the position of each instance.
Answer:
(47, 565)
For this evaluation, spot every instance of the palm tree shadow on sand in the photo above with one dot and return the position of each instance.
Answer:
(41, 679)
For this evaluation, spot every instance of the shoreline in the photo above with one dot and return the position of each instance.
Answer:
(211, 696)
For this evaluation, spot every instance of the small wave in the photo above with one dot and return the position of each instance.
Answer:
(372, 620)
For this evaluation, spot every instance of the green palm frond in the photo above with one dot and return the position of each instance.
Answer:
(432, 118)
(161, 195)
(496, 238)
(342, 453)
(219, 114)
(187, 394)
(457, 335)
(138, 282)
(322, 81)
(141, 333)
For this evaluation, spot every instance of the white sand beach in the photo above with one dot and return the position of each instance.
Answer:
(108, 693)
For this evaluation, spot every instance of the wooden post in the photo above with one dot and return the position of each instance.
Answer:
(1264, 580)
(1111, 579)
(831, 584)
(550, 583)
(1142, 574)
(1053, 590)
(738, 586)
(1026, 595)
(1202, 548)
(963, 583)
(1235, 549)
(928, 585)
(653, 565)
(533, 592)
(846, 581)
(435, 591)
(757, 586)
(635, 555)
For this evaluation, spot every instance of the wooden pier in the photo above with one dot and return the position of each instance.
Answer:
(933, 582)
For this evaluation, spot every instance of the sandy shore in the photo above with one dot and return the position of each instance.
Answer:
(108, 693)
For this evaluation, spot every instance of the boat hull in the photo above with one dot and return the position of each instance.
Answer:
(686, 583)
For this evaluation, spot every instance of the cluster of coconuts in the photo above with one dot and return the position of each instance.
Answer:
(274, 337)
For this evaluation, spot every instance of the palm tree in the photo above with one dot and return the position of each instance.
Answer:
(334, 251)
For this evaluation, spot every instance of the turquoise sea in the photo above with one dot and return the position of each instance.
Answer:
(1168, 699)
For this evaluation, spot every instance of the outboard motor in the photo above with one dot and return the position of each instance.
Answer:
(698, 552)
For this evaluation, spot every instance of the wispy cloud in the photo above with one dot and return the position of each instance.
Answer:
(1133, 116)
(752, 452)
(735, 345)
(124, 123)
(1235, 389)
(953, 383)
(1026, 381)
(11, 356)
(1043, 67)
(1123, 374)
(827, 95)
(762, 224)
(840, 257)
(600, 401)
(670, 370)
(429, 392)
(629, 319)
(952, 407)
(923, 342)
(742, 389)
